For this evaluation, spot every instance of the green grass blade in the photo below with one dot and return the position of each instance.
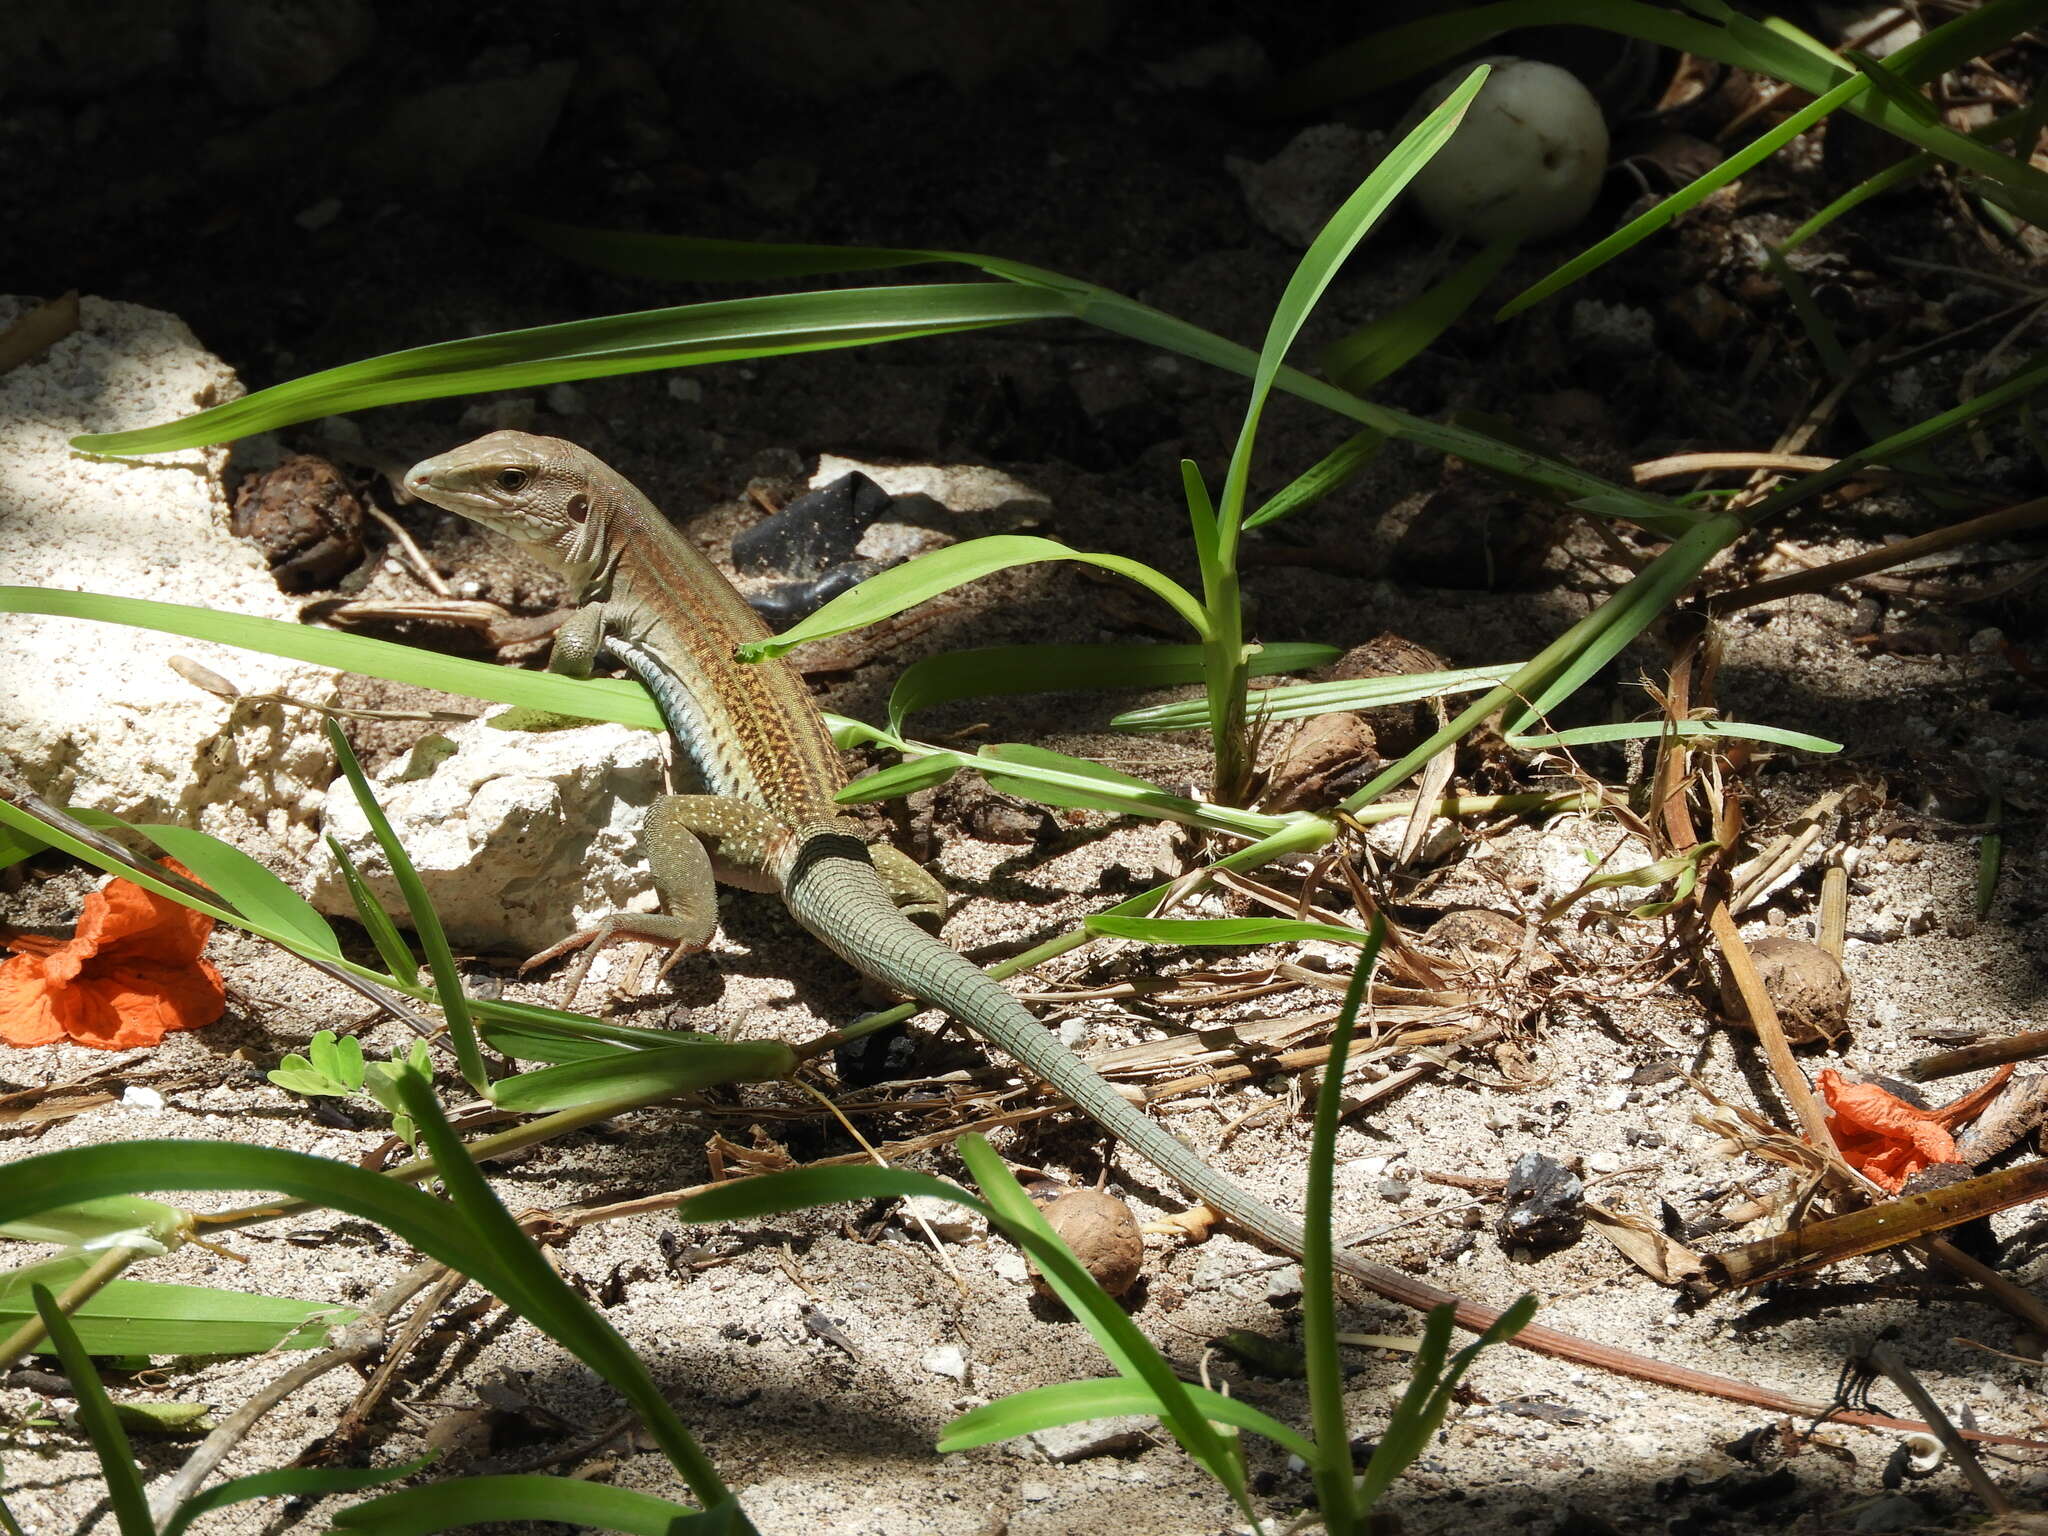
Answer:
(1076, 1402)
(640, 1077)
(1210, 931)
(1064, 780)
(997, 670)
(1388, 56)
(1639, 603)
(239, 880)
(1128, 1349)
(1991, 850)
(1384, 57)
(1201, 519)
(1872, 186)
(1334, 469)
(1331, 1462)
(1332, 245)
(926, 576)
(101, 1424)
(926, 771)
(139, 1317)
(1686, 197)
(16, 845)
(1871, 416)
(591, 698)
(55, 838)
(1298, 701)
(1114, 1333)
(126, 1221)
(1051, 778)
(287, 1482)
(528, 1498)
(691, 334)
(550, 1303)
(1575, 657)
(392, 949)
(426, 922)
(58, 1178)
(1685, 730)
(1380, 347)
(802, 1188)
(1429, 1396)
(529, 1032)
(495, 1254)
(2012, 392)
(1054, 778)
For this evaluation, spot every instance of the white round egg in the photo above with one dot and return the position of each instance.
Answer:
(1525, 163)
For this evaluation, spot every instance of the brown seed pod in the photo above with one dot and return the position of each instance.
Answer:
(1103, 1234)
(1806, 986)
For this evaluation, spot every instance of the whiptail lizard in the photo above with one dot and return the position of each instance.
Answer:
(668, 616)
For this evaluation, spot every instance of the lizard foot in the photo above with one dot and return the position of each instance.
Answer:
(646, 927)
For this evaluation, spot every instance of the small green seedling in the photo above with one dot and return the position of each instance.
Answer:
(334, 1070)
(381, 1079)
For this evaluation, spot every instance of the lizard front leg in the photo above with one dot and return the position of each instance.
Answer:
(682, 866)
(684, 877)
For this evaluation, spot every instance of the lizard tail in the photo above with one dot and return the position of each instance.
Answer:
(832, 889)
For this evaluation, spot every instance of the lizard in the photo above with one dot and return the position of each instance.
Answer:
(659, 608)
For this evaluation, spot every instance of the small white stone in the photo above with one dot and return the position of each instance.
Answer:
(950, 1222)
(686, 389)
(947, 1361)
(137, 1097)
(565, 400)
(1604, 1162)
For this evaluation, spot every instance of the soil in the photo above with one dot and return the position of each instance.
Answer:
(298, 233)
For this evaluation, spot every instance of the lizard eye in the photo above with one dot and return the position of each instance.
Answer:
(512, 479)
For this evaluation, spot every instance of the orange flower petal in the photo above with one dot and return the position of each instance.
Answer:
(140, 924)
(139, 1006)
(31, 1011)
(129, 974)
(1880, 1135)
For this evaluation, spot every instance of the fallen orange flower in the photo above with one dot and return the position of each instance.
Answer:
(130, 974)
(1888, 1140)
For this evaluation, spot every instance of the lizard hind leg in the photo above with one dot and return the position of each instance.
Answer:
(689, 898)
(916, 891)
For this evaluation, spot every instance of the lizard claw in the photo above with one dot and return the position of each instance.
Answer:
(653, 929)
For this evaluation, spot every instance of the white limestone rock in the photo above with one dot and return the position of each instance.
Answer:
(91, 714)
(520, 837)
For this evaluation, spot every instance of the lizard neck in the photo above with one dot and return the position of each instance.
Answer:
(674, 622)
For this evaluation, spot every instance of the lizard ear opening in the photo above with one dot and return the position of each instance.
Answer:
(577, 508)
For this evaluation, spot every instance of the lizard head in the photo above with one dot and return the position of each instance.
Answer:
(537, 490)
